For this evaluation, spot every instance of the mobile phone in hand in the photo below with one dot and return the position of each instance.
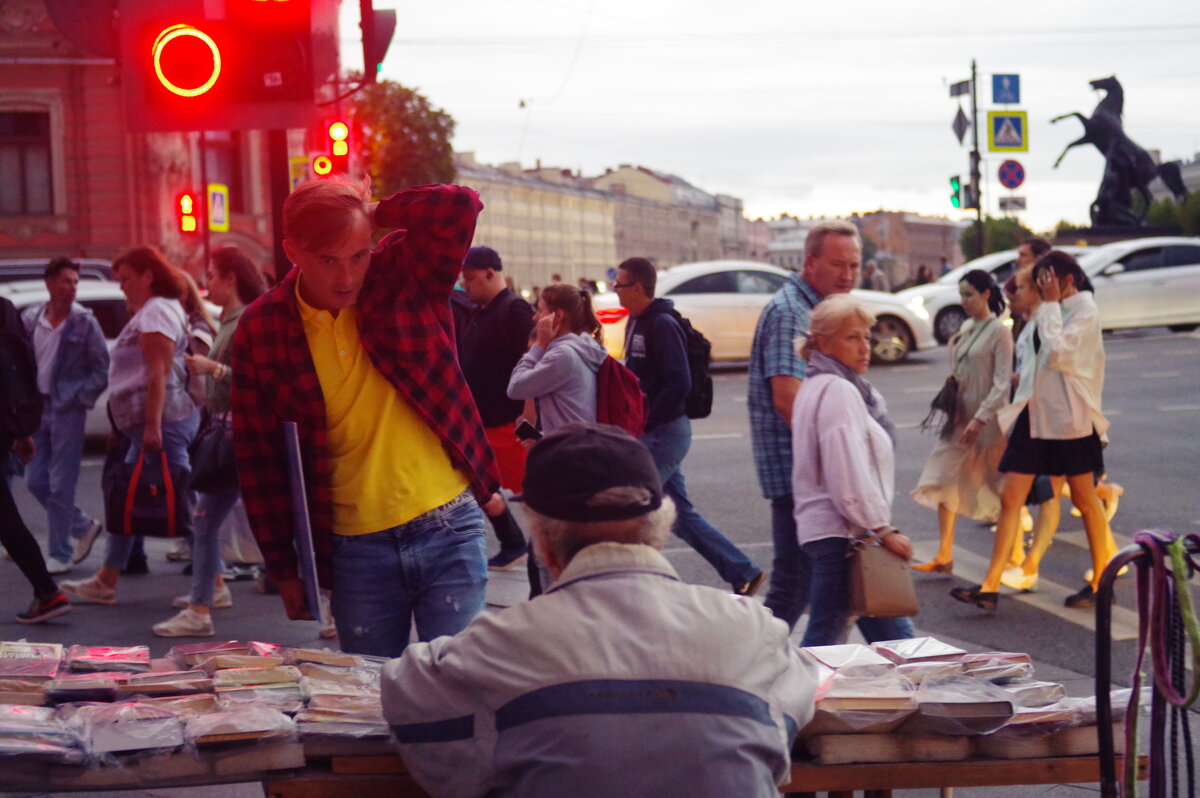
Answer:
(527, 432)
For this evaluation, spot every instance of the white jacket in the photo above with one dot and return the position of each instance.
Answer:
(619, 681)
(1062, 384)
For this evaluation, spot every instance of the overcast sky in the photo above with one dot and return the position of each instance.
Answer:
(800, 107)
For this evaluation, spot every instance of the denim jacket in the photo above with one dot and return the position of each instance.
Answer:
(81, 367)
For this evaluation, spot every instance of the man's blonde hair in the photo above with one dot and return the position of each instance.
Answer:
(316, 215)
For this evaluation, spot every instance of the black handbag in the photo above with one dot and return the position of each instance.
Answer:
(214, 467)
(147, 497)
(945, 404)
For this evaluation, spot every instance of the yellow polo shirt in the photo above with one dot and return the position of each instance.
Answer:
(388, 466)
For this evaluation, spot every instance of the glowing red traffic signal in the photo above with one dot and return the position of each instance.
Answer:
(186, 60)
(322, 165)
(338, 133)
(186, 210)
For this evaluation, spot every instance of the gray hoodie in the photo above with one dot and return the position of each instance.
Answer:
(562, 378)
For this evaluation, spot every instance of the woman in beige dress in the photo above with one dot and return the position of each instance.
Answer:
(962, 474)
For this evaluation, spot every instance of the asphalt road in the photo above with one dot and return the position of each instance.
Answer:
(1151, 395)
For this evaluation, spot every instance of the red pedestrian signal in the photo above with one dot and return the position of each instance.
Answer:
(185, 207)
(322, 165)
(338, 133)
(186, 60)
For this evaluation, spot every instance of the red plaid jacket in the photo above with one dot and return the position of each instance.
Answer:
(405, 326)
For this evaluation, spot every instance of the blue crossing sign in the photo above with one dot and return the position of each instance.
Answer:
(1006, 89)
(1008, 131)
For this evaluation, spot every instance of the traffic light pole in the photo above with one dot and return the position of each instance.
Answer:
(976, 186)
(277, 159)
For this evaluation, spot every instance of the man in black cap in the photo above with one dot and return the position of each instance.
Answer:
(620, 679)
(491, 342)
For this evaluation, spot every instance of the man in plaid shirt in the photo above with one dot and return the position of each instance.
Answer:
(356, 346)
(832, 254)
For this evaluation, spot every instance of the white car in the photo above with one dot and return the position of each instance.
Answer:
(1146, 282)
(723, 300)
(941, 296)
(102, 298)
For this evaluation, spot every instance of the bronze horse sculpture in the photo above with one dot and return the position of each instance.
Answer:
(1127, 167)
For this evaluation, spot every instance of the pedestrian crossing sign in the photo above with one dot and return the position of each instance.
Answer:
(1008, 131)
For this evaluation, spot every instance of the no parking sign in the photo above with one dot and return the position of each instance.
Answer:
(1012, 174)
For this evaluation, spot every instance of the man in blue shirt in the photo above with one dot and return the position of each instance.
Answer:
(655, 350)
(832, 257)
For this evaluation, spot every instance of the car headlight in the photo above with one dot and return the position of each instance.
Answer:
(917, 306)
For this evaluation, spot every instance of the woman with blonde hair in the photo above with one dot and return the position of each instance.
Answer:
(843, 469)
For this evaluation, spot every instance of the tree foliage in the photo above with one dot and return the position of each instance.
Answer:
(402, 139)
(998, 234)
(1167, 213)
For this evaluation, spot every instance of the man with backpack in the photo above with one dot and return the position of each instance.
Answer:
(20, 414)
(656, 350)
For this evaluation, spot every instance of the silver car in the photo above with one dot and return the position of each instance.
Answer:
(723, 300)
(1146, 282)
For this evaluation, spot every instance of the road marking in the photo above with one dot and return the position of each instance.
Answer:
(1110, 413)
(740, 399)
(717, 436)
(1121, 356)
(923, 389)
(906, 369)
(1159, 375)
(908, 425)
(1177, 408)
(1049, 596)
(1182, 352)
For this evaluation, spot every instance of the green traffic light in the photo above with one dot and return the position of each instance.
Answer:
(956, 188)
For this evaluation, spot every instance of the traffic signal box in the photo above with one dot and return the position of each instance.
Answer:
(185, 213)
(956, 191)
(219, 64)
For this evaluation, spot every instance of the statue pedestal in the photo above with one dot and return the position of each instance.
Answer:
(1095, 236)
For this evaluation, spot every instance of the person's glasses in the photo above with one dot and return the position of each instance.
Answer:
(619, 286)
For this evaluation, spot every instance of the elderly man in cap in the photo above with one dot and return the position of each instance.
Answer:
(620, 679)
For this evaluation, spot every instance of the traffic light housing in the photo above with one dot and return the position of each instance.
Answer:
(378, 27)
(219, 64)
(185, 212)
(970, 196)
(956, 191)
(338, 133)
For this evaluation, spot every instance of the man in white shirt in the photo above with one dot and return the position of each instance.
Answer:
(72, 364)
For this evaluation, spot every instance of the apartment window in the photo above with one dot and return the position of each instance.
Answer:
(25, 179)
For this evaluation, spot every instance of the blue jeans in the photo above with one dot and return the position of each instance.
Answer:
(432, 569)
(788, 595)
(53, 473)
(177, 437)
(668, 444)
(829, 600)
(211, 511)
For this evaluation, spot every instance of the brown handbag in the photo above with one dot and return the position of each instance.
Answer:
(881, 584)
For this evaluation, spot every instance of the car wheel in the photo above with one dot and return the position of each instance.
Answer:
(891, 340)
(947, 323)
(1182, 327)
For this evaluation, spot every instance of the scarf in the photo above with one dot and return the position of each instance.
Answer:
(821, 363)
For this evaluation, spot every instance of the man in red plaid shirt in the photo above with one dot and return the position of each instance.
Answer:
(356, 346)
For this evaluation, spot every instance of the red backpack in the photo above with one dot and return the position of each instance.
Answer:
(619, 397)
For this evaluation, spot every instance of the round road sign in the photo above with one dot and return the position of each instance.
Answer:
(1012, 174)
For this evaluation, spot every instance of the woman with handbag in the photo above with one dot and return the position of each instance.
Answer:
(1054, 423)
(962, 474)
(233, 282)
(148, 399)
(843, 470)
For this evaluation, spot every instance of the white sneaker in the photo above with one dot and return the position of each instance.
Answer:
(222, 600)
(57, 566)
(185, 624)
(83, 546)
(90, 590)
(1017, 579)
(181, 551)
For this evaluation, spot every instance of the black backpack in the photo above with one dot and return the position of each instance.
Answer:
(20, 400)
(699, 354)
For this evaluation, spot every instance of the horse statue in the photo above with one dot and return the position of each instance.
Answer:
(1127, 167)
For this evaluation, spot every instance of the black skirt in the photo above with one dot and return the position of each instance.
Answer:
(1055, 458)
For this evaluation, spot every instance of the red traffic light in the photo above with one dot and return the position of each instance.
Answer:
(186, 60)
(186, 209)
(338, 133)
(322, 165)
